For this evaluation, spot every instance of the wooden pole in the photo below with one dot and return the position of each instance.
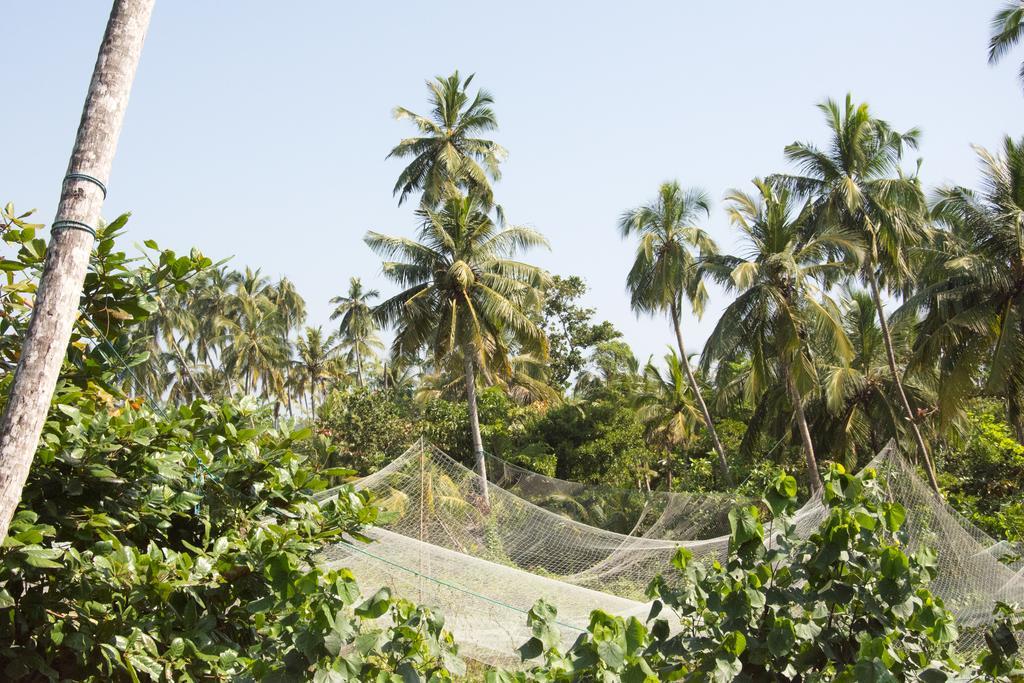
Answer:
(67, 258)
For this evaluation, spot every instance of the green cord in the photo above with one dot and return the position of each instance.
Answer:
(89, 179)
(73, 225)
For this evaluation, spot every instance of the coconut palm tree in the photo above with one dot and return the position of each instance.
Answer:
(314, 353)
(448, 153)
(1007, 30)
(289, 303)
(857, 183)
(464, 293)
(973, 310)
(525, 381)
(358, 328)
(782, 306)
(667, 409)
(665, 271)
(253, 341)
(861, 403)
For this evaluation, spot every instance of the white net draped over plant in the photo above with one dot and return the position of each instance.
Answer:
(541, 537)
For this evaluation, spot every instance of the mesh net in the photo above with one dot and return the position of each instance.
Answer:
(542, 538)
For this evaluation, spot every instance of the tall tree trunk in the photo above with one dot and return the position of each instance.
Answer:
(312, 400)
(801, 421)
(1013, 411)
(723, 463)
(359, 369)
(883, 323)
(185, 366)
(474, 425)
(67, 257)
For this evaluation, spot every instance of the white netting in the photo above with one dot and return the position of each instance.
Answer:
(483, 570)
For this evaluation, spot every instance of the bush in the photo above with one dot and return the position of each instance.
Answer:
(365, 428)
(184, 547)
(983, 473)
(846, 604)
(178, 546)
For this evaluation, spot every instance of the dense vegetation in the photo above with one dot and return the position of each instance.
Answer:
(170, 525)
(863, 311)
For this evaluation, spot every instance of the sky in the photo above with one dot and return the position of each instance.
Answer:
(259, 130)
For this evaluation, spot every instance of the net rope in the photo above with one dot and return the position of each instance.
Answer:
(543, 538)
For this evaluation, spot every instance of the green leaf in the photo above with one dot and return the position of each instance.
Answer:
(611, 653)
(933, 676)
(745, 525)
(531, 649)
(42, 558)
(894, 563)
(895, 515)
(146, 664)
(872, 671)
(782, 637)
(636, 634)
(734, 643)
(376, 605)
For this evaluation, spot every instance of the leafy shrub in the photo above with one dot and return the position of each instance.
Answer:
(183, 547)
(366, 428)
(178, 546)
(846, 604)
(983, 473)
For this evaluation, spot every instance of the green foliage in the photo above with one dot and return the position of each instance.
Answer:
(846, 604)
(183, 547)
(365, 428)
(445, 424)
(569, 329)
(983, 472)
(118, 293)
(448, 154)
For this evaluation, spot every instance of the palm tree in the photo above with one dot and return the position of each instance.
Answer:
(857, 183)
(358, 327)
(781, 301)
(253, 337)
(289, 303)
(1007, 29)
(861, 394)
(463, 293)
(667, 409)
(448, 154)
(525, 381)
(314, 353)
(974, 309)
(665, 271)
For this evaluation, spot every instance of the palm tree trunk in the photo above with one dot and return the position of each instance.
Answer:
(185, 366)
(891, 354)
(67, 256)
(359, 368)
(312, 401)
(474, 425)
(723, 463)
(1013, 411)
(805, 432)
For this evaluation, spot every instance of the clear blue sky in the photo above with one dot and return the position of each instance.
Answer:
(259, 129)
